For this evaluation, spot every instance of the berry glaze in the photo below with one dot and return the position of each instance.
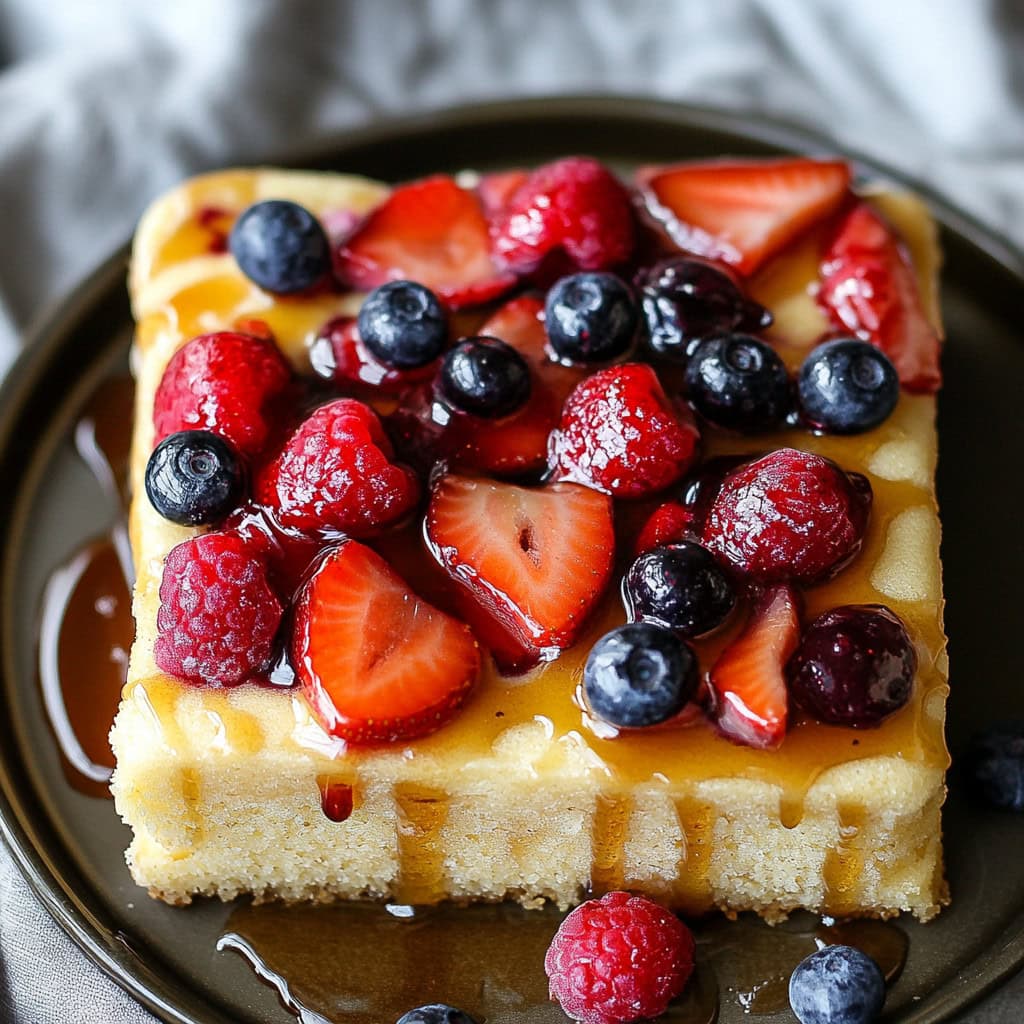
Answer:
(543, 696)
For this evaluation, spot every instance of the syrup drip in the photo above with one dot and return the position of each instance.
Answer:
(422, 814)
(337, 797)
(363, 963)
(696, 824)
(85, 625)
(611, 830)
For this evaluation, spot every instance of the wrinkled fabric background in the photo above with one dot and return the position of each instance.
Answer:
(103, 105)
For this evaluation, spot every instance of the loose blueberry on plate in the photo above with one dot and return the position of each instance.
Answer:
(590, 318)
(855, 666)
(686, 300)
(738, 382)
(403, 324)
(680, 586)
(484, 377)
(847, 386)
(280, 246)
(837, 985)
(435, 1013)
(994, 764)
(194, 478)
(638, 675)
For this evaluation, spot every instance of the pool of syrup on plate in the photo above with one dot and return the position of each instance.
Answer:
(85, 634)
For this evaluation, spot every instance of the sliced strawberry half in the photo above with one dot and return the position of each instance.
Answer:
(537, 560)
(748, 682)
(742, 212)
(868, 286)
(376, 662)
(519, 444)
(432, 232)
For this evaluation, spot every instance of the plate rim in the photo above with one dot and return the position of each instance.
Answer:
(106, 946)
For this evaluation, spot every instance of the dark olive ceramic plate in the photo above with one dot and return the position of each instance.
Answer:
(70, 845)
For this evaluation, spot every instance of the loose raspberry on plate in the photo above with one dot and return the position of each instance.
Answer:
(376, 662)
(537, 560)
(788, 516)
(335, 474)
(432, 232)
(748, 681)
(617, 959)
(868, 286)
(227, 383)
(744, 211)
(218, 616)
(574, 208)
(620, 434)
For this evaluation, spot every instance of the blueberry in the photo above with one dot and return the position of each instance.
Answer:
(194, 477)
(847, 386)
(435, 1013)
(995, 766)
(403, 324)
(837, 985)
(738, 382)
(686, 300)
(590, 318)
(485, 377)
(281, 246)
(855, 666)
(681, 586)
(639, 674)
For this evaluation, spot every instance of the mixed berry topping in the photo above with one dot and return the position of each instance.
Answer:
(194, 478)
(228, 383)
(617, 959)
(837, 985)
(687, 300)
(855, 666)
(484, 377)
(681, 586)
(590, 318)
(639, 674)
(280, 246)
(621, 434)
(994, 764)
(738, 382)
(788, 516)
(847, 386)
(470, 467)
(218, 616)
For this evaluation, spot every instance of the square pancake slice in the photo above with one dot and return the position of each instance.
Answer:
(516, 797)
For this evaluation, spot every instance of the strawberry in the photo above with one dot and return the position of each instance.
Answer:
(574, 209)
(335, 474)
(227, 383)
(537, 560)
(620, 434)
(669, 522)
(376, 662)
(868, 286)
(742, 211)
(748, 682)
(432, 232)
(497, 188)
(338, 354)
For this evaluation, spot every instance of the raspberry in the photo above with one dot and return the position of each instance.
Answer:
(573, 205)
(788, 516)
(335, 473)
(620, 434)
(619, 958)
(223, 383)
(218, 616)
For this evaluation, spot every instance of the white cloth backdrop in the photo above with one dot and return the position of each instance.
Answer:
(102, 105)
